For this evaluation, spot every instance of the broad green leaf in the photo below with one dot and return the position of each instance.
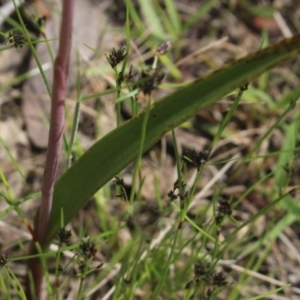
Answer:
(117, 149)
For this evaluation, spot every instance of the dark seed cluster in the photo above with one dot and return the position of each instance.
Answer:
(88, 249)
(117, 56)
(120, 183)
(150, 80)
(3, 260)
(205, 276)
(178, 191)
(16, 39)
(64, 236)
(223, 209)
(198, 158)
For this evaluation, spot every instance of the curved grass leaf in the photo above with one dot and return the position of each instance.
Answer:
(117, 149)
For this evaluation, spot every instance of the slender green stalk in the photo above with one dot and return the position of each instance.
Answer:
(265, 135)
(197, 16)
(57, 273)
(177, 159)
(271, 128)
(134, 269)
(12, 158)
(191, 194)
(16, 283)
(167, 266)
(32, 49)
(227, 117)
(138, 159)
(76, 114)
(262, 212)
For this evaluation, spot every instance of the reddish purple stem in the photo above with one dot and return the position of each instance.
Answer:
(57, 117)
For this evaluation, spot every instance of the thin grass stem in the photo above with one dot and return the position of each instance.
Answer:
(138, 159)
